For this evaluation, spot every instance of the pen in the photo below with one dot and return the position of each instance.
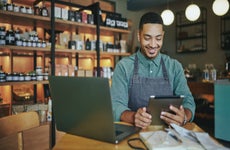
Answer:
(175, 137)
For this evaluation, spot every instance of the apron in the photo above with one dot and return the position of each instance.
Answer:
(141, 88)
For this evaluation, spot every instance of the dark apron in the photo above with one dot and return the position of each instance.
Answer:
(141, 88)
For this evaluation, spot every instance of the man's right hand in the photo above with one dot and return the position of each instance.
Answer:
(142, 119)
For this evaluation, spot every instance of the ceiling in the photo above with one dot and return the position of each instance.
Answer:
(135, 5)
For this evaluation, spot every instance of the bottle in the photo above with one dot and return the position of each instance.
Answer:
(206, 74)
(49, 111)
(212, 73)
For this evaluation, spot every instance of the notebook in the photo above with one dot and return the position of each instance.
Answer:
(82, 106)
(161, 103)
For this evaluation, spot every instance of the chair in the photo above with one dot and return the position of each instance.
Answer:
(16, 124)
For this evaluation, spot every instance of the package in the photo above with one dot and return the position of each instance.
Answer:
(64, 14)
(57, 70)
(80, 73)
(70, 70)
(64, 39)
(84, 17)
(88, 73)
(64, 70)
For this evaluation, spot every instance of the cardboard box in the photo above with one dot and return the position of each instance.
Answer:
(88, 73)
(71, 70)
(64, 14)
(80, 73)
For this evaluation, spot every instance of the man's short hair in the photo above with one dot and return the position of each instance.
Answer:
(150, 17)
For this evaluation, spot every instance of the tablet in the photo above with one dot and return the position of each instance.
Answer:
(161, 103)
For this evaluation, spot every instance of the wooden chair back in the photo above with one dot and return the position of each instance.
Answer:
(16, 124)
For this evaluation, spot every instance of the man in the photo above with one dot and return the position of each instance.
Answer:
(148, 72)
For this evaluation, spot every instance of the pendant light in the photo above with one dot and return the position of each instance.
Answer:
(167, 16)
(192, 12)
(220, 7)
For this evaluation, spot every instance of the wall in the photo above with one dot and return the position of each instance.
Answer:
(214, 54)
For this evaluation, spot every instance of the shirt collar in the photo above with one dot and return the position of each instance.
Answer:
(147, 61)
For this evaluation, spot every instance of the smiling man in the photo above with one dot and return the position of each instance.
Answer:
(148, 72)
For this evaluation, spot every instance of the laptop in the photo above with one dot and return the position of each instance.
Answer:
(161, 103)
(82, 106)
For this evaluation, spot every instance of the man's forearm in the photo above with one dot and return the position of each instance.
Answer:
(128, 116)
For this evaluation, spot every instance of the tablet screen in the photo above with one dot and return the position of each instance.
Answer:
(161, 103)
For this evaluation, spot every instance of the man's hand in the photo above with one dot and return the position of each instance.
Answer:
(142, 118)
(177, 118)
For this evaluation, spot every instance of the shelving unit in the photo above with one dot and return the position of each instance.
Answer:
(225, 32)
(49, 53)
(191, 36)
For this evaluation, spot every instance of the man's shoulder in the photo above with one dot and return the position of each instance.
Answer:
(128, 60)
(169, 60)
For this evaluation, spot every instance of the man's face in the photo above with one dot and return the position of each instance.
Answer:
(151, 39)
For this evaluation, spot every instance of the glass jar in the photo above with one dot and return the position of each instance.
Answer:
(19, 42)
(21, 77)
(24, 42)
(10, 7)
(17, 34)
(29, 43)
(27, 77)
(44, 12)
(9, 77)
(43, 44)
(22, 9)
(34, 43)
(15, 76)
(16, 8)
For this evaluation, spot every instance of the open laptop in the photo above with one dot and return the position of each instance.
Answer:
(161, 103)
(82, 106)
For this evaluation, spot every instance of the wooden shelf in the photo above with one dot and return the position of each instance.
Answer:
(58, 50)
(40, 21)
(24, 82)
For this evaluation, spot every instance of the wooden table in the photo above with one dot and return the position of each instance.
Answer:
(69, 142)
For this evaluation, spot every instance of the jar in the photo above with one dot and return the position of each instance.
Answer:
(27, 77)
(38, 70)
(44, 12)
(44, 44)
(35, 37)
(17, 34)
(24, 42)
(33, 76)
(29, 10)
(39, 77)
(10, 7)
(36, 10)
(15, 76)
(2, 76)
(16, 8)
(45, 76)
(29, 43)
(21, 77)
(2, 31)
(10, 38)
(34, 43)
(9, 77)
(39, 44)
(31, 37)
(23, 9)
(19, 42)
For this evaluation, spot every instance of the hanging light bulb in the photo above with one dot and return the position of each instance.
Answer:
(220, 7)
(167, 16)
(192, 12)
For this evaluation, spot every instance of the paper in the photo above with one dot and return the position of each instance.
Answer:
(179, 138)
